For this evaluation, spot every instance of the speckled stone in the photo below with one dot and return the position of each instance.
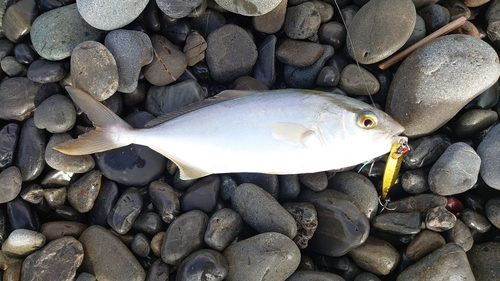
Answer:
(302, 21)
(416, 98)
(177, 9)
(483, 260)
(94, 70)
(57, 32)
(380, 28)
(108, 15)
(22, 242)
(299, 53)
(83, 192)
(248, 8)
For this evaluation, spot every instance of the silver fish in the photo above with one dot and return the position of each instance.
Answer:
(275, 132)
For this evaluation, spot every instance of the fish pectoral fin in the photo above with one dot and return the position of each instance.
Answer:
(292, 133)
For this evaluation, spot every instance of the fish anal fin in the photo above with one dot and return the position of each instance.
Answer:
(292, 133)
(88, 143)
(187, 172)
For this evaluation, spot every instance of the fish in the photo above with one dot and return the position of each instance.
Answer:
(286, 131)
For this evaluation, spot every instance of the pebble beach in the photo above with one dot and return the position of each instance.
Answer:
(127, 215)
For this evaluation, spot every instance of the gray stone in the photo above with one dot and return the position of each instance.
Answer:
(398, 223)
(302, 21)
(446, 263)
(45, 71)
(204, 264)
(63, 162)
(57, 32)
(425, 150)
(10, 184)
(107, 258)
(305, 77)
(474, 121)
(165, 200)
(248, 8)
(94, 70)
(489, 152)
(266, 256)
(56, 114)
(53, 230)
(126, 210)
(177, 9)
(416, 98)
(272, 21)
(332, 33)
(261, 211)
(423, 244)
(83, 192)
(231, 53)
(475, 221)
(456, 171)
(309, 275)
(415, 181)
(12, 67)
(132, 50)
(110, 14)
(461, 235)
(299, 53)
(18, 98)
(30, 155)
(314, 181)
(22, 242)
(435, 16)
(356, 80)
(492, 209)
(58, 260)
(376, 256)
(168, 62)
(380, 28)
(222, 228)
(17, 20)
(265, 69)
(483, 260)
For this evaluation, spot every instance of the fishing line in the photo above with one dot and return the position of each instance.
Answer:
(349, 41)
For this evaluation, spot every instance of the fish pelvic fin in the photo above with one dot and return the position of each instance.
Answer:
(109, 132)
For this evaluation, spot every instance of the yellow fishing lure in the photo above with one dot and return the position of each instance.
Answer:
(393, 165)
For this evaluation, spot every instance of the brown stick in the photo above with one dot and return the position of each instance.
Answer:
(403, 54)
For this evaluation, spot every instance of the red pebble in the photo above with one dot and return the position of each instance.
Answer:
(454, 205)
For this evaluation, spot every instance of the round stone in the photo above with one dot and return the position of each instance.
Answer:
(415, 95)
(109, 15)
(94, 70)
(249, 8)
(56, 114)
(202, 195)
(231, 53)
(57, 32)
(45, 71)
(474, 121)
(223, 227)
(380, 28)
(63, 162)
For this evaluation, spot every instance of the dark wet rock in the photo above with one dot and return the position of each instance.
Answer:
(418, 203)
(85, 276)
(423, 244)
(59, 260)
(94, 70)
(108, 194)
(449, 261)
(17, 20)
(12, 67)
(164, 200)
(264, 69)
(314, 181)
(332, 33)
(269, 183)
(184, 236)
(435, 16)
(359, 190)
(475, 221)
(10, 184)
(56, 229)
(380, 28)
(21, 215)
(289, 187)
(302, 21)
(18, 98)
(415, 181)
(9, 135)
(30, 158)
(168, 62)
(376, 256)
(418, 32)
(164, 99)
(222, 229)
(398, 223)
(83, 192)
(126, 210)
(439, 219)
(307, 221)
(63, 162)
(203, 265)
(483, 260)
(329, 76)
(227, 187)
(202, 195)
(309, 275)
(413, 92)
(24, 54)
(158, 271)
(107, 258)
(341, 225)
(22, 242)
(148, 223)
(489, 152)
(298, 53)
(231, 53)
(110, 15)
(272, 21)
(305, 77)
(271, 256)
(260, 210)
(56, 114)
(57, 32)
(131, 165)
(140, 245)
(55, 197)
(474, 121)
(425, 150)
(208, 22)
(456, 171)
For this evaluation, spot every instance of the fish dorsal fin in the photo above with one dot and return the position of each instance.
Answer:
(221, 97)
(292, 133)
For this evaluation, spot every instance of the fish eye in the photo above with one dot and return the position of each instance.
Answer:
(367, 120)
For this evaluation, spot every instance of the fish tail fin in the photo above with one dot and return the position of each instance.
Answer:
(110, 130)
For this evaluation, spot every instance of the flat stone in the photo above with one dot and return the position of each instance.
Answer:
(109, 15)
(449, 261)
(45, 71)
(22, 242)
(195, 47)
(266, 256)
(30, 156)
(461, 235)
(376, 256)
(168, 62)
(177, 9)
(94, 70)
(53, 230)
(10, 184)
(57, 32)
(202, 195)
(398, 223)
(299, 53)
(265, 69)
(107, 258)
(222, 228)
(474, 121)
(309, 275)
(416, 97)
(248, 8)
(380, 28)
(58, 260)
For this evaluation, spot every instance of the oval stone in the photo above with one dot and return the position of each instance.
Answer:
(489, 152)
(380, 28)
(376, 255)
(22, 242)
(110, 14)
(448, 72)
(249, 8)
